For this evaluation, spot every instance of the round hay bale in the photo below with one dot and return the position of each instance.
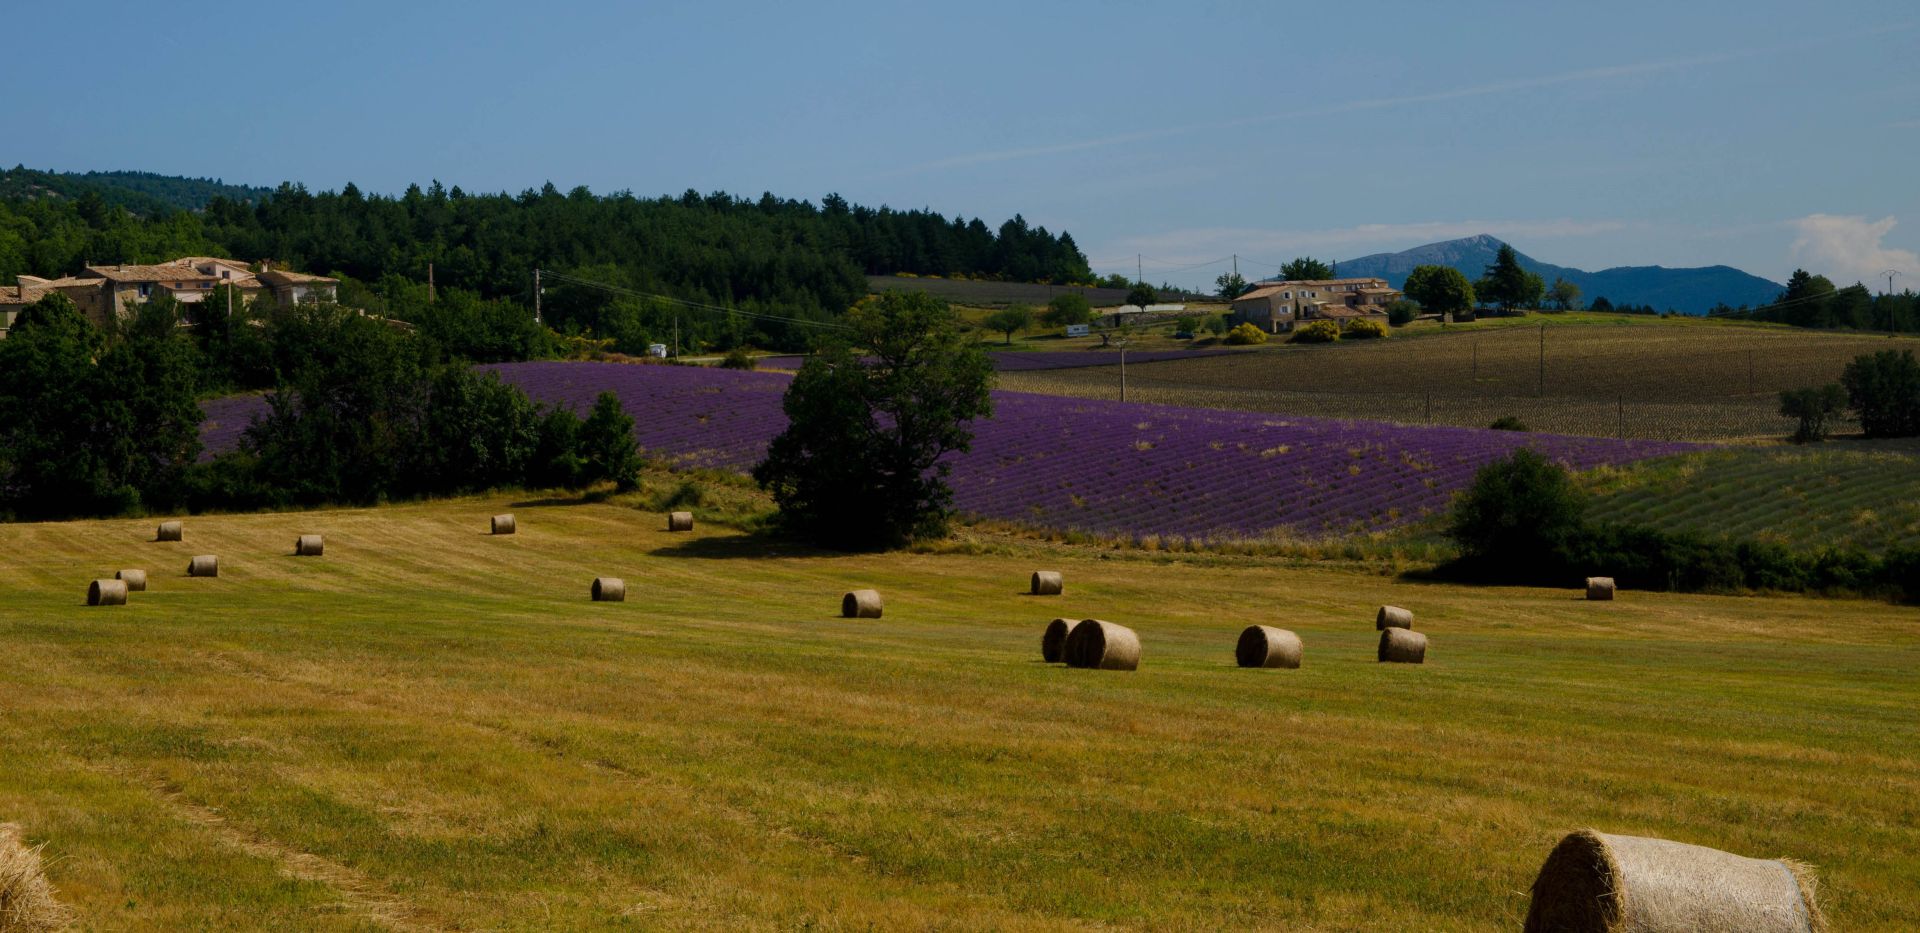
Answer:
(169, 531)
(860, 604)
(206, 565)
(309, 546)
(1600, 588)
(1392, 617)
(1103, 646)
(1266, 646)
(1600, 883)
(27, 904)
(679, 521)
(1403, 646)
(136, 580)
(1047, 583)
(503, 524)
(609, 590)
(107, 593)
(1053, 642)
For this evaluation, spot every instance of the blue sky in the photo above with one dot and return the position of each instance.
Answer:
(1758, 134)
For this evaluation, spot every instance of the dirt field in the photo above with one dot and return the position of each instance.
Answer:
(1595, 375)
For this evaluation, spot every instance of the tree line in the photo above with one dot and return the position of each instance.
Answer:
(780, 263)
(101, 422)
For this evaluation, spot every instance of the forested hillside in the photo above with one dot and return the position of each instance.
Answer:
(775, 257)
(140, 192)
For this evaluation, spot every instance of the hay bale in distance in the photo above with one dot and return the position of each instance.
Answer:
(679, 521)
(860, 604)
(1103, 646)
(1600, 588)
(309, 546)
(205, 565)
(27, 904)
(107, 593)
(609, 590)
(503, 524)
(1403, 646)
(1266, 646)
(136, 580)
(1392, 617)
(169, 531)
(1053, 642)
(1047, 583)
(1600, 883)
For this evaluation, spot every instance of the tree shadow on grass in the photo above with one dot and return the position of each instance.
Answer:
(554, 501)
(749, 545)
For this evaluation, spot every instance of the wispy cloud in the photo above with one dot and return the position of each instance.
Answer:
(1851, 249)
(1577, 76)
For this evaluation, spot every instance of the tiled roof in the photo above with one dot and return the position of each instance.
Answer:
(1260, 293)
(283, 277)
(164, 272)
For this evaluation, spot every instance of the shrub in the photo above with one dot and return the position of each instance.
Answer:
(1365, 329)
(1068, 308)
(1216, 324)
(1884, 390)
(1508, 423)
(1244, 334)
(738, 358)
(1519, 516)
(1816, 407)
(1316, 332)
(1401, 313)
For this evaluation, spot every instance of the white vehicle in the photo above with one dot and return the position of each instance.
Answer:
(1076, 330)
(657, 350)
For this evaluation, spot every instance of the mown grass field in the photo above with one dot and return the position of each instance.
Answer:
(430, 727)
(1862, 494)
(1604, 375)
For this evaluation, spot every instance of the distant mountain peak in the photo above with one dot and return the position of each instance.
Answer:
(1687, 290)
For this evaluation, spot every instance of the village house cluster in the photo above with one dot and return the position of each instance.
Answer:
(108, 292)
(1276, 306)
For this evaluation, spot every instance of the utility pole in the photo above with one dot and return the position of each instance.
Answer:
(1138, 274)
(1543, 361)
(1890, 274)
(536, 296)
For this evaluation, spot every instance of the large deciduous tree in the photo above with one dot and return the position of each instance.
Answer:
(1884, 390)
(1306, 269)
(871, 418)
(1010, 319)
(1440, 289)
(1230, 285)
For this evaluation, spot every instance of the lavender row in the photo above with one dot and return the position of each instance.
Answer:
(1043, 359)
(1075, 464)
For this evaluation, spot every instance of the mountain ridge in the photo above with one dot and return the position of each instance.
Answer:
(1688, 290)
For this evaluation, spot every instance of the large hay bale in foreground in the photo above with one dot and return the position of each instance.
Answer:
(1600, 588)
(1392, 617)
(205, 565)
(27, 904)
(1266, 646)
(609, 590)
(1104, 646)
(136, 580)
(1600, 883)
(1403, 646)
(309, 546)
(107, 593)
(860, 604)
(1053, 642)
(503, 524)
(169, 531)
(679, 521)
(1047, 583)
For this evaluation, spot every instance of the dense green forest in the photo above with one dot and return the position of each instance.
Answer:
(141, 192)
(781, 264)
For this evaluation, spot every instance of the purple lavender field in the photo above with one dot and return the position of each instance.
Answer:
(1037, 360)
(1109, 468)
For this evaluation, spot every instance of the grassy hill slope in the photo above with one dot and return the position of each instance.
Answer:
(432, 727)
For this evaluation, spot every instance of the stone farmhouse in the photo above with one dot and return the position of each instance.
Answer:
(105, 293)
(1276, 306)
